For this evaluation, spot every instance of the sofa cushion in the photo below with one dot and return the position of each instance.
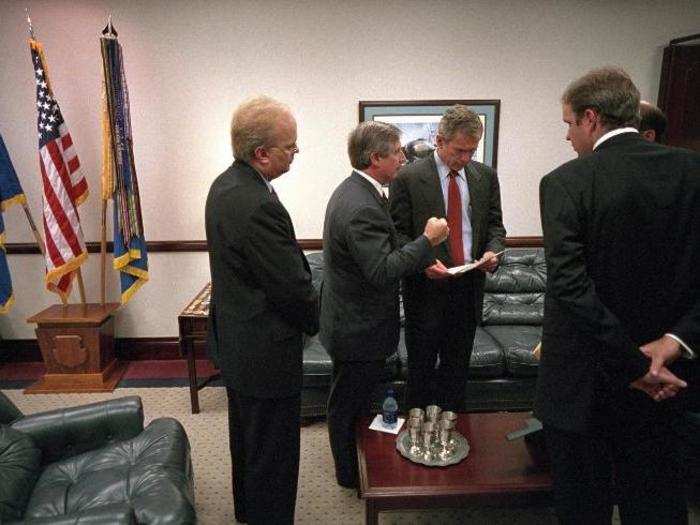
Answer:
(20, 462)
(517, 343)
(514, 294)
(151, 472)
(487, 358)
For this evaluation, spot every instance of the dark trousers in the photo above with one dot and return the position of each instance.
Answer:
(440, 323)
(264, 442)
(631, 460)
(350, 397)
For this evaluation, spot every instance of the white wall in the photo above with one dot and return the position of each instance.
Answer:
(190, 63)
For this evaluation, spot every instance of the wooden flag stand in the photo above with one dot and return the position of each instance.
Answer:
(77, 344)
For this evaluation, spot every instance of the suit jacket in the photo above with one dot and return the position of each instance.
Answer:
(363, 268)
(622, 243)
(416, 195)
(262, 298)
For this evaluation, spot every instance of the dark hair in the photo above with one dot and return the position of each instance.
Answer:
(651, 117)
(610, 92)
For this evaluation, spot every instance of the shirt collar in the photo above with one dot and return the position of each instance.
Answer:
(610, 134)
(372, 181)
(443, 169)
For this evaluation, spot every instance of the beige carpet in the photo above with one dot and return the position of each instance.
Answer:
(319, 499)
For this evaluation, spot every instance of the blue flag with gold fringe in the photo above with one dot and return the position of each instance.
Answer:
(10, 193)
(119, 171)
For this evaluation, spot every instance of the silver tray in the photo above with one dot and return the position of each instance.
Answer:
(458, 450)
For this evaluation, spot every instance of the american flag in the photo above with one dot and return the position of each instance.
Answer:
(64, 185)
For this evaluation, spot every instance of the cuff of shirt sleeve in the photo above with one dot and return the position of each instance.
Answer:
(686, 351)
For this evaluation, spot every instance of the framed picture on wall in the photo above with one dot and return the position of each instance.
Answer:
(418, 121)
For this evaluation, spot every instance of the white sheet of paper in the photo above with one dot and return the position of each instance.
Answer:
(378, 424)
(456, 270)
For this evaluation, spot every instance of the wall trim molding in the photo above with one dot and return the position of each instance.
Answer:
(31, 248)
(127, 349)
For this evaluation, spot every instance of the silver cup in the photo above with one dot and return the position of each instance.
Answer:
(414, 434)
(446, 424)
(427, 443)
(432, 412)
(449, 415)
(416, 412)
(446, 448)
(414, 422)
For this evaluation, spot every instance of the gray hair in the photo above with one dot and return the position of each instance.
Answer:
(371, 137)
(460, 119)
(254, 124)
(610, 92)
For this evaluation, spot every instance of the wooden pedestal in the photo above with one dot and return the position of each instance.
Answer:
(77, 344)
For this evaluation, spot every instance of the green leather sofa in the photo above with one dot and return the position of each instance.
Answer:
(93, 464)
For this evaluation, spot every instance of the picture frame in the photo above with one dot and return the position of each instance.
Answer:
(418, 121)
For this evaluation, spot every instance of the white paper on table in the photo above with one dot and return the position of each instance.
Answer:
(378, 424)
(456, 270)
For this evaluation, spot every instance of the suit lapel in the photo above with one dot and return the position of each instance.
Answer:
(367, 186)
(431, 189)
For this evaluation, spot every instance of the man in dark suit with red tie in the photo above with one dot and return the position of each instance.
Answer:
(621, 229)
(442, 311)
(262, 303)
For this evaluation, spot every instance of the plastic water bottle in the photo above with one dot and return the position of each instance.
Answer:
(390, 409)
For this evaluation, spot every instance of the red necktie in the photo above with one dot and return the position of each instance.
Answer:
(454, 219)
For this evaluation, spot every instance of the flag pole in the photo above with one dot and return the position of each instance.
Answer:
(103, 254)
(29, 21)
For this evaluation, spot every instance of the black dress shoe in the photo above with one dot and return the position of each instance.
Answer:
(348, 484)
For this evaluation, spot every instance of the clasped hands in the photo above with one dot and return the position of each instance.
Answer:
(659, 382)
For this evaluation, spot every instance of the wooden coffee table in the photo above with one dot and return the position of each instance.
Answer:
(496, 471)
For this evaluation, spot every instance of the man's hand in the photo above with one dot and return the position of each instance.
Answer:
(662, 352)
(436, 230)
(660, 386)
(437, 271)
(491, 262)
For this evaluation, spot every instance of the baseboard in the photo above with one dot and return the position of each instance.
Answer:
(127, 349)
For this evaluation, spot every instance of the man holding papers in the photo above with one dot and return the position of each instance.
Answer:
(442, 310)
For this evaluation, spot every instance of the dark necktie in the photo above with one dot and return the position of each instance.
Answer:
(454, 219)
(385, 201)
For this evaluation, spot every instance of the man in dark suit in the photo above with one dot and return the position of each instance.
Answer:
(262, 303)
(360, 297)
(621, 231)
(652, 122)
(442, 311)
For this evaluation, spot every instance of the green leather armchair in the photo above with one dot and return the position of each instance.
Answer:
(94, 464)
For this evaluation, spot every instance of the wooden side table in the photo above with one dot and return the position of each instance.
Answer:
(192, 324)
(77, 345)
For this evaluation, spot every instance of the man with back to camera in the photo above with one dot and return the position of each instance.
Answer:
(442, 311)
(261, 305)
(652, 123)
(360, 295)
(621, 229)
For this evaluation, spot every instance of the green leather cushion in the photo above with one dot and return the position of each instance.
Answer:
(151, 472)
(19, 469)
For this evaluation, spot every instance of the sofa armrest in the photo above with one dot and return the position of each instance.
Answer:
(114, 514)
(67, 432)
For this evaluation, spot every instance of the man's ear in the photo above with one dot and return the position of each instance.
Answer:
(261, 155)
(649, 135)
(374, 158)
(590, 117)
(439, 140)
